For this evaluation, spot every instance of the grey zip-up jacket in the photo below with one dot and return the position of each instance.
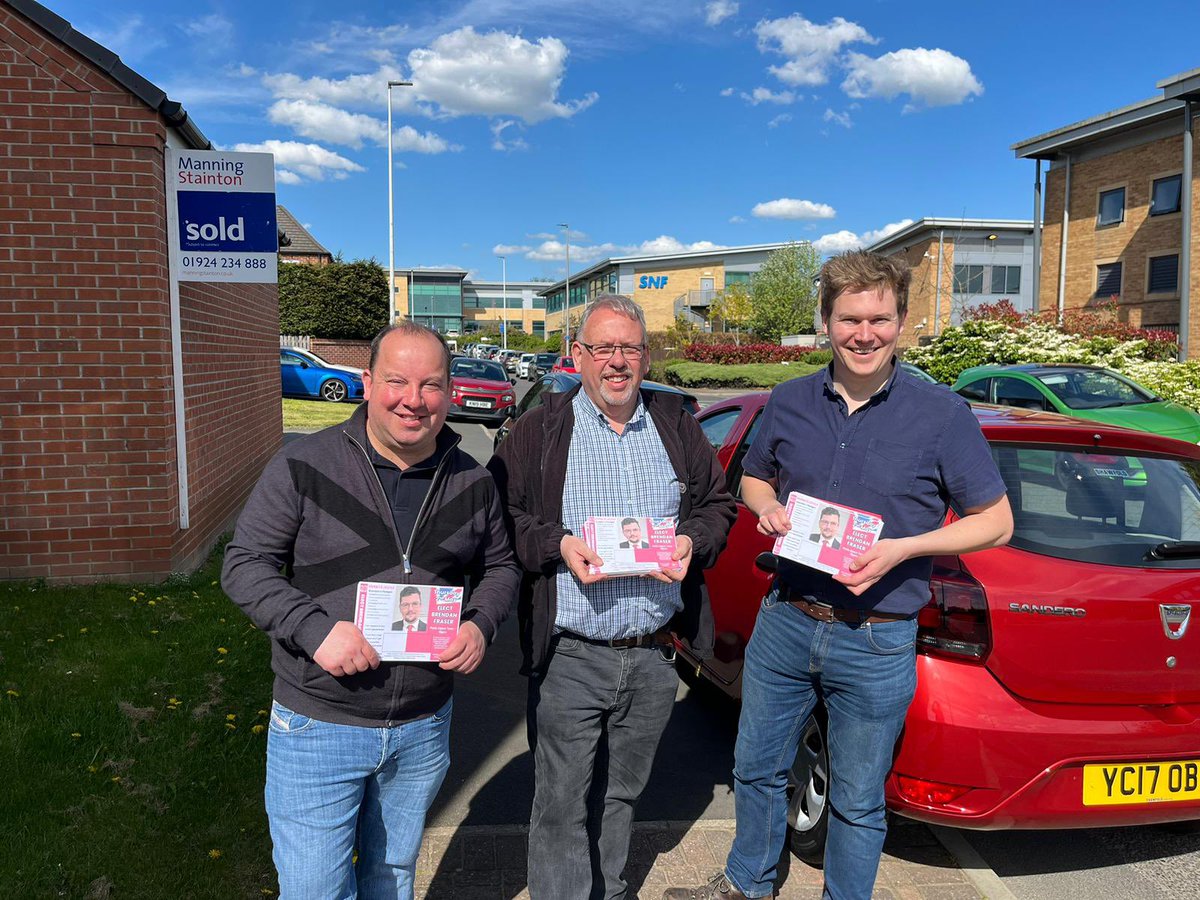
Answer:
(317, 523)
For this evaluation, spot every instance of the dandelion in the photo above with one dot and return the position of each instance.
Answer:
(93, 769)
(231, 726)
(220, 662)
(214, 854)
(133, 597)
(214, 584)
(83, 631)
(262, 712)
(76, 734)
(231, 717)
(11, 693)
(222, 650)
(222, 620)
(151, 603)
(267, 892)
(115, 779)
(259, 729)
(154, 631)
(49, 640)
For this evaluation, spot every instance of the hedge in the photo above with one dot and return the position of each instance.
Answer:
(738, 354)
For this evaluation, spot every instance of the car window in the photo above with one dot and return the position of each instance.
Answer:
(976, 390)
(477, 368)
(533, 397)
(288, 360)
(1015, 392)
(1090, 389)
(1100, 507)
(733, 475)
(716, 427)
(546, 359)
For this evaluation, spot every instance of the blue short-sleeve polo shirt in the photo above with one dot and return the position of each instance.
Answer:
(904, 455)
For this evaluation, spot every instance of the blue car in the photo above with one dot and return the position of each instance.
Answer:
(304, 374)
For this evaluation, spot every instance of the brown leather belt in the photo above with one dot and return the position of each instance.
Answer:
(660, 638)
(828, 614)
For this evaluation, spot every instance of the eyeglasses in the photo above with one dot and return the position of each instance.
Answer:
(605, 352)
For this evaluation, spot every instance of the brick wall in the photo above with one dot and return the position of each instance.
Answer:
(88, 487)
(923, 301)
(343, 353)
(1131, 241)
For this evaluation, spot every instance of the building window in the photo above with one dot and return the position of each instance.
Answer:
(1163, 275)
(1164, 195)
(968, 279)
(1006, 279)
(1108, 280)
(1112, 207)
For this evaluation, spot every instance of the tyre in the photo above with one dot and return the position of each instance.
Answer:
(334, 391)
(808, 792)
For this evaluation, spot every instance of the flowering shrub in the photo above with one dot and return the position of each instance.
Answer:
(739, 354)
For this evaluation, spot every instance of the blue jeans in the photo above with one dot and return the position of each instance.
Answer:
(332, 788)
(866, 676)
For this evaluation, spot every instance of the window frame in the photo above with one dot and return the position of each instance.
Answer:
(1150, 211)
(1100, 195)
(1168, 294)
(1121, 279)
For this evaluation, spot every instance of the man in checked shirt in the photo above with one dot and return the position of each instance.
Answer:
(598, 651)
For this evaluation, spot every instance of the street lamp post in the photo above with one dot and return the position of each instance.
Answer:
(504, 324)
(567, 296)
(391, 213)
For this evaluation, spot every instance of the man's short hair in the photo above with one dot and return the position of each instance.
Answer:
(408, 329)
(830, 511)
(409, 591)
(619, 304)
(630, 521)
(859, 270)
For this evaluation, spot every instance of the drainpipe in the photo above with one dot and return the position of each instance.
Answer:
(937, 301)
(1062, 250)
(1185, 253)
(1037, 235)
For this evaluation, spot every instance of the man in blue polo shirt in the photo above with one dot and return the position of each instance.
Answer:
(863, 434)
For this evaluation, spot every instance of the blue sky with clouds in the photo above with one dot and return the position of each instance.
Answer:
(647, 126)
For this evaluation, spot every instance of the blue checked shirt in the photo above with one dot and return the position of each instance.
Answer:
(610, 474)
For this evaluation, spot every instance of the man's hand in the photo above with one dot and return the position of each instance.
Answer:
(345, 651)
(465, 652)
(683, 554)
(867, 569)
(774, 521)
(577, 556)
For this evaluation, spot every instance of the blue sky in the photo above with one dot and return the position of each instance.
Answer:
(647, 126)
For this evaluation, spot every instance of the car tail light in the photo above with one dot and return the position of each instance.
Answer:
(955, 622)
(928, 793)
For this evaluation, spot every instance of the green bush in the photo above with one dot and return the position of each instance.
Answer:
(751, 375)
(340, 300)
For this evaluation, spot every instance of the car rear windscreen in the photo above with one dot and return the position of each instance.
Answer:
(1103, 507)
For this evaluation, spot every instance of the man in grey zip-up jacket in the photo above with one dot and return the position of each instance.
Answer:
(357, 749)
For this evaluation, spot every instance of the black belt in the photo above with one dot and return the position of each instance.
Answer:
(660, 638)
(828, 614)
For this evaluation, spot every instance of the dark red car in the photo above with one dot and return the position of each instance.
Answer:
(480, 389)
(565, 364)
(1058, 677)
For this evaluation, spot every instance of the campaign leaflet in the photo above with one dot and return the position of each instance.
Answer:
(826, 536)
(408, 622)
(631, 545)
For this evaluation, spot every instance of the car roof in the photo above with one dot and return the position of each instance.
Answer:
(1033, 368)
(1009, 424)
(564, 381)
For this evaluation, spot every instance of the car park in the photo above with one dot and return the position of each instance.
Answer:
(508, 359)
(555, 382)
(1058, 679)
(565, 364)
(523, 364)
(542, 364)
(304, 374)
(1085, 392)
(480, 389)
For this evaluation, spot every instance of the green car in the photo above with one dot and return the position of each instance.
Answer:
(1085, 392)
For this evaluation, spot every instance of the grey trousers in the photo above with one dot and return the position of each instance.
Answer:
(595, 719)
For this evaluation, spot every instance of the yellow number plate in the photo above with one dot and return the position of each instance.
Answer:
(1116, 783)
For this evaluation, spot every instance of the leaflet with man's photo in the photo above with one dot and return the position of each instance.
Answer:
(631, 545)
(408, 622)
(827, 536)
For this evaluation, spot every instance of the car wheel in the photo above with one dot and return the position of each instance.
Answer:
(334, 391)
(808, 792)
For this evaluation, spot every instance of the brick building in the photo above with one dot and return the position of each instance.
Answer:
(297, 244)
(1128, 223)
(961, 263)
(89, 482)
(446, 299)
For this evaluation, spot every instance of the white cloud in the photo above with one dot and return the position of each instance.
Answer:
(573, 234)
(510, 249)
(499, 143)
(841, 241)
(308, 161)
(367, 90)
(213, 27)
(787, 208)
(129, 38)
(842, 118)
(736, 220)
(929, 77)
(328, 123)
(810, 48)
(763, 95)
(556, 251)
(717, 11)
(727, 92)
(285, 176)
(664, 244)
(495, 74)
(779, 120)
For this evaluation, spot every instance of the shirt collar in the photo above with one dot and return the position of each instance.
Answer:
(586, 407)
(429, 463)
(879, 396)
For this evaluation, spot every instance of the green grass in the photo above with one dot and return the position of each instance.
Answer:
(310, 414)
(130, 742)
(751, 375)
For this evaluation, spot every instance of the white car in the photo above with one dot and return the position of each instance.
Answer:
(523, 364)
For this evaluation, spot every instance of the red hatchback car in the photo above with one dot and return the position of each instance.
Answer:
(1058, 679)
(565, 364)
(480, 389)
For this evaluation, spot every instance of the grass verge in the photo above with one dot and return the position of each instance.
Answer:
(133, 742)
(750, 375)
(311, 414)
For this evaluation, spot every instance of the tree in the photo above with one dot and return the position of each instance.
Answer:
(783, 293)
(339, 300)
(733, 307)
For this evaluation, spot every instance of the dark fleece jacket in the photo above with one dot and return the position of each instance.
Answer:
(317, 523)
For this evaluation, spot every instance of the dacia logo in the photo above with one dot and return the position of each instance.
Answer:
(1042, 610)
(234, 231)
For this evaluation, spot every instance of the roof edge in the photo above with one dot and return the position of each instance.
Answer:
(931, 223)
